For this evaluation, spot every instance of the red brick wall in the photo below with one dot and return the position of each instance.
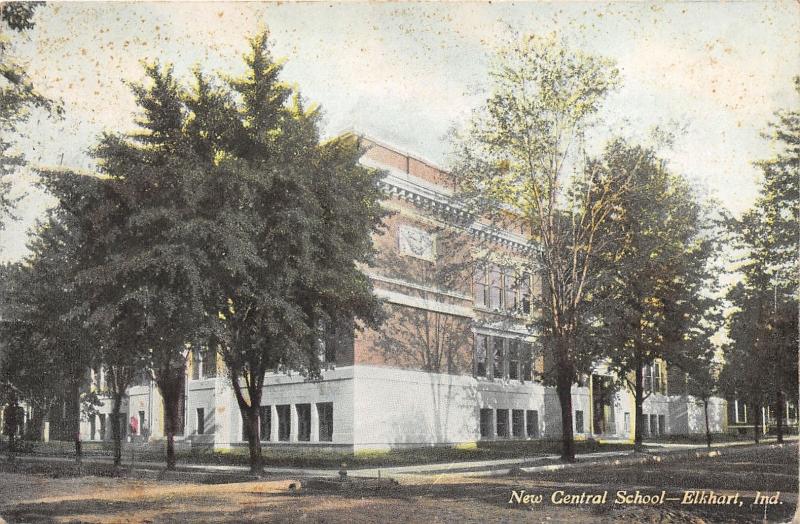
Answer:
(411, 337)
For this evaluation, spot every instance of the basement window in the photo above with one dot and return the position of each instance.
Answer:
(284, 422)
(502, 423)
(325, 415)
(303, 422)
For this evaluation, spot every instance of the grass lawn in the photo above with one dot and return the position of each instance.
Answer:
(313, 458)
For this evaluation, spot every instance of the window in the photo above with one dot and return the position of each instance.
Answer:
(518, 423)
(204, 363)
(532, 423)
(502, 423)
(513, 359)
(651, 378)
(740, 411)
(284, 422)
(92, 427)
(501, 288)
(265, 422)
(497, 364)
(303, 422)
(201, 421)
(578, 421)
(525, 293)
(495, 287)
(527, 361)
(510, 286)
(662, 425)
(479, 287)
(325, 416)
(102, 426)
(141, 423)
(486, 423)
(627, 422)
(647, 379)
(335, 339)
(657, 385)
(481, 350)
(494, 354)
(653, 425)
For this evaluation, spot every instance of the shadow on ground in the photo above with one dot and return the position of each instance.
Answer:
(35, 498)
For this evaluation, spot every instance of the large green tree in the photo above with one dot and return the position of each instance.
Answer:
(223, 223)
(657, 277)
(49, 347)
(292, 218)
(93, 206)
(145, 258)
(522, 152)
(763, 327)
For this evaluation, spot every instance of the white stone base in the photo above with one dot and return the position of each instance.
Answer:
(382, 408)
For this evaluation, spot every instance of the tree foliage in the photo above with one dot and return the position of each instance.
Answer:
(763, 326)
(653, 298)
(223, 223)
(517, 154)
(17, 96)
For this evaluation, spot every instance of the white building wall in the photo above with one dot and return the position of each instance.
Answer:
(201, 394)
(147, 399)
(104, 409)
(280, 389)
(687, 415)
(659, 405)
(552, 412)
(395, 408)
(382, 408)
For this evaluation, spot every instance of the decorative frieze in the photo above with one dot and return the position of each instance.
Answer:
(440, 201)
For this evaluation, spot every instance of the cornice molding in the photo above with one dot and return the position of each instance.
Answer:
(440, 200)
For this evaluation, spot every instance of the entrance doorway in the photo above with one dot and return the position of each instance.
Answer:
(603, 405)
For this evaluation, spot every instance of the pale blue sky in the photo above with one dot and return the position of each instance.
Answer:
(405, 73)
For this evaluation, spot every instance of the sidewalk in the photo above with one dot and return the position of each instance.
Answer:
(550, 462)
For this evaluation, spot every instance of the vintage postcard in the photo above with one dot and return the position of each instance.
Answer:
(399, 261)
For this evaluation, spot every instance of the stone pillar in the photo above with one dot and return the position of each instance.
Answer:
(314, 424)
(273, 427)
(293, 423)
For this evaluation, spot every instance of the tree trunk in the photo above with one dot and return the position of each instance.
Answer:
(757, 423)
(250, 415)
(116, 434)
(170, 403)
(254, 440)
(76, 420)
(638, 399)
(708, 429)
(170, 384)
(564, 389)
(779, 414)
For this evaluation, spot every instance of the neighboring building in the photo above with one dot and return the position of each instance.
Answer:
(454, 363)
(741, 418)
